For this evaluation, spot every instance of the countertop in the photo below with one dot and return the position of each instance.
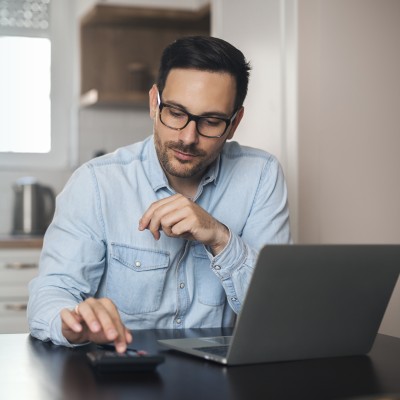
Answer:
(20, 242)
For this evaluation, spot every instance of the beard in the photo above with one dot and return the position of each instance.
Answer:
(181, 168)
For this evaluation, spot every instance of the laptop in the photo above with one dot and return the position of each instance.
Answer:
(306, 301)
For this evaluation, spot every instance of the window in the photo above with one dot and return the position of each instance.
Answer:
(36, 53)
(25, 95)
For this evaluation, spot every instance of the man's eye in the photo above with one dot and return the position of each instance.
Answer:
(176, 113)
(212, 121)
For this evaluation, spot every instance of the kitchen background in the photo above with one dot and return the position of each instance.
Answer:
(324, 98)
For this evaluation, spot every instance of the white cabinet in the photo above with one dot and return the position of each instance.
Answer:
(17, 268)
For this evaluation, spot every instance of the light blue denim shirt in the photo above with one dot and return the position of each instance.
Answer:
(93, 247)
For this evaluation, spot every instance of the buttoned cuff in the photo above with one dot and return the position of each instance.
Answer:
(230, 258)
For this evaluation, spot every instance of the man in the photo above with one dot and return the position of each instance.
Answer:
(164, 233)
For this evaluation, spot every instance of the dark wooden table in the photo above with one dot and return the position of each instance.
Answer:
(30, 369)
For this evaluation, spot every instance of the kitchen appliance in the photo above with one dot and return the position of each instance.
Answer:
(34, 206)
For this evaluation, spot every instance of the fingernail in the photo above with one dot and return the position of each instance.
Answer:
(121, 348)
(77, 327)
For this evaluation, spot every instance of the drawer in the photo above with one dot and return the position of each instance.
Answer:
(22, 255)
(13, 315)
(17, 272)
(13, 291)
(14, 324)
(13, 307)
(18, 266)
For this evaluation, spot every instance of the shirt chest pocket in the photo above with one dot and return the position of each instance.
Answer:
(208, 286)
(135, 278)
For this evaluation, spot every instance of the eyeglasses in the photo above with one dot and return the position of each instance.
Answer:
(175, 118)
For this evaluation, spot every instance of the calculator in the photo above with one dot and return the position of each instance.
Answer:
(108, 361)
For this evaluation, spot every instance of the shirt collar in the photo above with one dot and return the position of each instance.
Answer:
(212, 172)
(157, 176)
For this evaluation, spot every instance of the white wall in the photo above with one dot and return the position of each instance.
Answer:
(349, 110)
(265, 31)
(349, 126)
(107, 129)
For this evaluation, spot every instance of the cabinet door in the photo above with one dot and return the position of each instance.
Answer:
(13, 315)
(17, 268)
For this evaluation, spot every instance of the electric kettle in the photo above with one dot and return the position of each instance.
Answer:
(34, 206)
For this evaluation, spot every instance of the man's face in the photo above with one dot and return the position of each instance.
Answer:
(186, 154)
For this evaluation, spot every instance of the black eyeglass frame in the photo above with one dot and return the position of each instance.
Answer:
(195, 118)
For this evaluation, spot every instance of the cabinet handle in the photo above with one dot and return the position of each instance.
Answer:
(21, 265)
(16, 307)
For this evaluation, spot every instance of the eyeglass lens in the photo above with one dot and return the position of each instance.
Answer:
(177, 119)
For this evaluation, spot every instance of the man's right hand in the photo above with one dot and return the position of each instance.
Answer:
(97, 321)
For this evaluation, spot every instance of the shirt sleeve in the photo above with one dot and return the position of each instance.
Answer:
(268, 223)
(73, 257)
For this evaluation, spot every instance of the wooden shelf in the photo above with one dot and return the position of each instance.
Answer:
(115, 37)
(123, 15)
(94, 98)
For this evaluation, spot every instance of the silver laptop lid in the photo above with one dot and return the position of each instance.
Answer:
(307, 301)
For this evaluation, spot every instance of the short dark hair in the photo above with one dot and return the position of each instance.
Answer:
(206, 53)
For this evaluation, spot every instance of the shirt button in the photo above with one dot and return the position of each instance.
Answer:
(233, 298)
(178, 320)
(138, 264)
(217, 267)
(182, 285)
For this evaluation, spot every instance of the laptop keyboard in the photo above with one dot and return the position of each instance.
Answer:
(218, 340)
(216, 350)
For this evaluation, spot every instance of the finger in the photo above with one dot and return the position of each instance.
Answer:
(177, 223)
(128, 336)
(181, 228)
(70, 321)
(120, 340)
(148, 215)
(86, 310)
(168, 214)
(155, 230)
(105, 320)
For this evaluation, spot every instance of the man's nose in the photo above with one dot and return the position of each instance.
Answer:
(189, 134)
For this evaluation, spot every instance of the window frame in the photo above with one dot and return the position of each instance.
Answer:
(64, 110)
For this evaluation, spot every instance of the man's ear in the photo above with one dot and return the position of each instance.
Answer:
(153, 103)
(235, 123)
